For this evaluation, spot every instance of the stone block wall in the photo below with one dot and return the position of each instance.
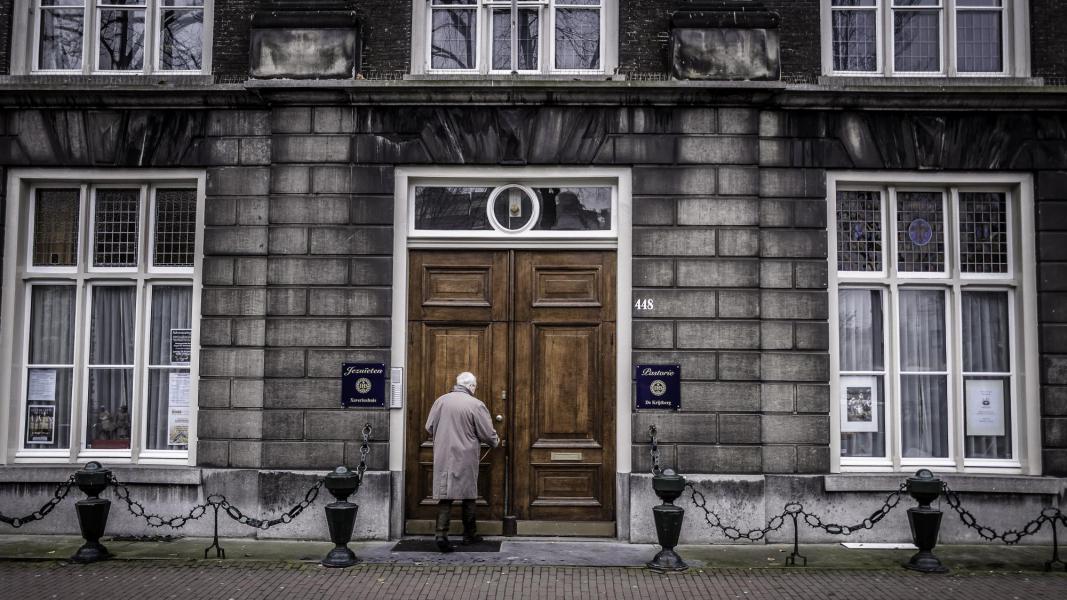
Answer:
(1052, 306)
(732, 257)
(297, 282)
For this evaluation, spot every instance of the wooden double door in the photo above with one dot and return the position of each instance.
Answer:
(537, 328)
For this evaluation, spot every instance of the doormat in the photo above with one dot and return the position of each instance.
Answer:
(429, 545)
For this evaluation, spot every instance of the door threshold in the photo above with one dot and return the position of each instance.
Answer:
(532, 529)
(567, 528)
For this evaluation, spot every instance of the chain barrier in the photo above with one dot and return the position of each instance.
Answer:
(1009, 536)
(214, 502)
(58, 495)
(1051, 515)
(796, 512)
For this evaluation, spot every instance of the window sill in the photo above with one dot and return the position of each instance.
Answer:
(515, 77)
(850, 81)
(149, 474)
(156, 80)
(989, 484)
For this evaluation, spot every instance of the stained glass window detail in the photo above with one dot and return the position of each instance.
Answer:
(983, 232)
(859, 231)
(920, 232)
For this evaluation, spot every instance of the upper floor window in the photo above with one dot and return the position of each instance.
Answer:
(118, 36)
(923, 37)
(524, 36)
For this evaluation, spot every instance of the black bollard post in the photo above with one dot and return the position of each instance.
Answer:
(341, 517)
(668, 486)
(925, 522)
(92, 512)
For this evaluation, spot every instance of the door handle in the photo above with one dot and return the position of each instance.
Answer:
(500, 418)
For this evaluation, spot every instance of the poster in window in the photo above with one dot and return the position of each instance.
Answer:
(181, 347)
(42, 387)
(985, 407)
(178, 409)
(41, 424)
(859, 404)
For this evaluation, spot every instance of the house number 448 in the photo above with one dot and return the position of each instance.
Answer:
(644, 304)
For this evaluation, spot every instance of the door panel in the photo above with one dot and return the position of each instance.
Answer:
(457, 322)
(458, 286)
(564, 386)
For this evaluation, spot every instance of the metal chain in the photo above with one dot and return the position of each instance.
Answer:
(891, 502)
(58, 495)
(364, 449)
(1011, 536)
(794, 510)
(263, 524)
(713, 520)
(655, 450)
(137, 509)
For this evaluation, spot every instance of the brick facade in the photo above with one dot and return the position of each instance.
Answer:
(6, 9)
(385, 32)
(1047, 42)
(644, 36)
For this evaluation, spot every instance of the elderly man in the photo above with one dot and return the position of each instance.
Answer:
(458, 422)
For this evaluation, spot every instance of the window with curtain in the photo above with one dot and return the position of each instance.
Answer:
(110, 270)
(920, 37)
(541, 36)
(120, 36)
(924, 370)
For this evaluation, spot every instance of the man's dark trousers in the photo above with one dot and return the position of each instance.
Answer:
(444, 519)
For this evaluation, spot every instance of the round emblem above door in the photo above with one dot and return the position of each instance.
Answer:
(513, 208)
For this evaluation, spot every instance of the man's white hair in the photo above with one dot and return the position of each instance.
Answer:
(467, 380)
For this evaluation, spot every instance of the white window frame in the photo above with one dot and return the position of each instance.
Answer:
(1019, 283)
(26, 44)
(20, 276)
(526, 233)
(1015, 41)
(422, 30)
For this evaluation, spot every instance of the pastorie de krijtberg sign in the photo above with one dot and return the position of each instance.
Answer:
(658, 387)
(363, 385)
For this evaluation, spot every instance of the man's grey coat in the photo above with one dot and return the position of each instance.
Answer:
(458, 422)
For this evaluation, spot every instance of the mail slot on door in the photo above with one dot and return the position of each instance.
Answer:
(566, 456)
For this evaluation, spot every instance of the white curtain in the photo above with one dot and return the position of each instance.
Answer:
(111, 342)
(52, 343)
(985, 350)
(171, 309)
(923, 398)
(860, 317)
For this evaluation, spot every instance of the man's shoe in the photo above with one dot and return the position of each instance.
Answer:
(470, 540)
(443, 545)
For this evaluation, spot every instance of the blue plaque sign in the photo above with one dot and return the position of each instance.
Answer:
(658, 387)
(363, 385)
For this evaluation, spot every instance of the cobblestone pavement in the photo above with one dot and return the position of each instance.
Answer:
(293, 581)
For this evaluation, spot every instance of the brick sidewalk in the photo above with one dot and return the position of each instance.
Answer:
(294, 581)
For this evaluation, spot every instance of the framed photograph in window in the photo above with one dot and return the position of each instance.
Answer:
(859, 403)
